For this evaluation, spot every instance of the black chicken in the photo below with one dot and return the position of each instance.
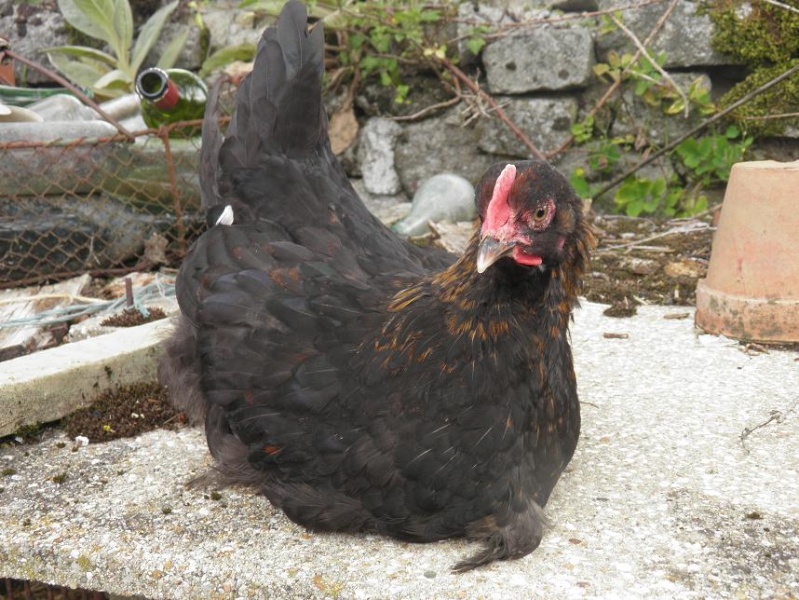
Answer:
(361, 383)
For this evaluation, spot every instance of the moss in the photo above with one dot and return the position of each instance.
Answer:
(781, 99)
(84, 563)
(756, 33)
(765, 38)
(28, 431)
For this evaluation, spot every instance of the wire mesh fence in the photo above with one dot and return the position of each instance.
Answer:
(102, 206)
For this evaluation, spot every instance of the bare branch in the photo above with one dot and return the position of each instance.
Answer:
(775, 416)
(432, 108)
(769, 117)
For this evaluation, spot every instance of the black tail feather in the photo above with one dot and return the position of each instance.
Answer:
(211, 143)
(279, 108)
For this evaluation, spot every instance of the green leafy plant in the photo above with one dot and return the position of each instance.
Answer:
(640, 195)
(113, 73)
(668, 198)
(584, 130)
(711, 158)
(383, 34)
(603, 155)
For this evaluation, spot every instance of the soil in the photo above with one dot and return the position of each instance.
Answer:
(126, 411)
(130, 317)
(645, 261)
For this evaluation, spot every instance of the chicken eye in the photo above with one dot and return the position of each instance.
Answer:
(540, 217)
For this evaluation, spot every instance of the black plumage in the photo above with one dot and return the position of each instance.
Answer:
(359, 382)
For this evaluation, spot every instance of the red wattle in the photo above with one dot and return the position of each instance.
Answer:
(528, 260)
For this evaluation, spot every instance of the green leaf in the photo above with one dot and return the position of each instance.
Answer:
(171, 53)
(114, 89)
(95, 18)
(580, 184)
(401, 95)
(123, 28)
(223, 57)
(430, 16)
(732, 132)
(601, 68)
(634, 209)
(149, 33)
(81, 73)
(675, 107)
(83, 52)
(475, 45)
(357, 41)
(112, 79)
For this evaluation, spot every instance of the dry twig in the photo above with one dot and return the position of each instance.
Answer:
(616, 84)
(643, 52)
(782, 5)
(428, 109)
(501, 115)
(705, 124)
(698, 226)
(775, 416)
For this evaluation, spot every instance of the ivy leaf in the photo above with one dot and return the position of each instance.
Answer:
(475, 45)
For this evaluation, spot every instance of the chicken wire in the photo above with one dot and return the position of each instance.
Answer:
(103, 206)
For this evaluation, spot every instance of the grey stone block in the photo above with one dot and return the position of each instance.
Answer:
(685, 36)
(439, 145)
(635, 117)
(540, 60)
(29, 29)
(376, 155)
(546, 121)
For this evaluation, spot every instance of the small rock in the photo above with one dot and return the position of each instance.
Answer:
(376, 153)
(453, 237)
(640, 266)
(685, 269)
(17, 114)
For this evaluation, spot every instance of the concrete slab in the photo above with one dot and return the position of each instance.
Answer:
(662, 499)
(48, 385)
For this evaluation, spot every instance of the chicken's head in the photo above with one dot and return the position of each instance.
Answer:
(530, 214)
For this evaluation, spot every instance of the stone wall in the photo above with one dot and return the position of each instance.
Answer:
(540, 71)
(542, 74)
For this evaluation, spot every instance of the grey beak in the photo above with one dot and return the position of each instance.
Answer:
(490, 251)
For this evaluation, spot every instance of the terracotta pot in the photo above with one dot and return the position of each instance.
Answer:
(752, 287)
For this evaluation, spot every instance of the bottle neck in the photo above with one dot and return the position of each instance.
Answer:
(155, 86)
